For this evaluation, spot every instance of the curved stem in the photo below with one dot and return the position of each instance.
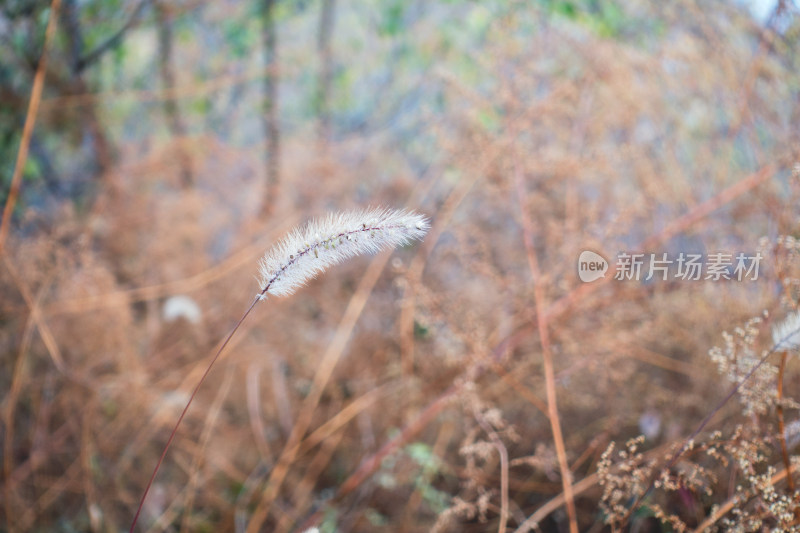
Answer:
(185, 409)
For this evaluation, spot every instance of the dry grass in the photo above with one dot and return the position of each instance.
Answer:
(469, 383)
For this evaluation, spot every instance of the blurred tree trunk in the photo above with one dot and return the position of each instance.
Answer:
(69, 16)
(325, 35)
(167, 70)
(271, 127)
(103, 153)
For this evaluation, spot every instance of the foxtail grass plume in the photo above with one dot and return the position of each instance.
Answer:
(303, 254)
(786, 335)
(307, 251)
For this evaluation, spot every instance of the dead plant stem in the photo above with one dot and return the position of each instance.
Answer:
(547, 358)
(503, 453)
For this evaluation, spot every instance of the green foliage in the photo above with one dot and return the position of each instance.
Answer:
(240, 36)
(119, 54)
(490, 120)
(430, 465)
(609, 21)
(392, 23)
(565, 9)
(421, 331)
(200, 106)
(329, 520)
(423, 455)
(185, 30)
(603, 17)
(375, 518)
(110, 408)
(101, 19)
(233, 490)
(478, 20)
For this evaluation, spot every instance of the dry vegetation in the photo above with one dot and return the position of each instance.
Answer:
(415, 391)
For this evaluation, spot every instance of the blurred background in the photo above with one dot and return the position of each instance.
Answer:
(153, 150)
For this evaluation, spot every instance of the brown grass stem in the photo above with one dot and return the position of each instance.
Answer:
(547, 357)
(30, 121)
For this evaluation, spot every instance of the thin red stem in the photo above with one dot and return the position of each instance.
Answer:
(185, 409)
(781, 426)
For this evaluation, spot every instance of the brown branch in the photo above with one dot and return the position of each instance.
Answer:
(547, 356)
(373, 462)
(712, 204)
(210, 425)
(580, 487)
(30, 120)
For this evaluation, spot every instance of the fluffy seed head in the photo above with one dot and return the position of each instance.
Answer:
(307, 251)
(786, 335)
